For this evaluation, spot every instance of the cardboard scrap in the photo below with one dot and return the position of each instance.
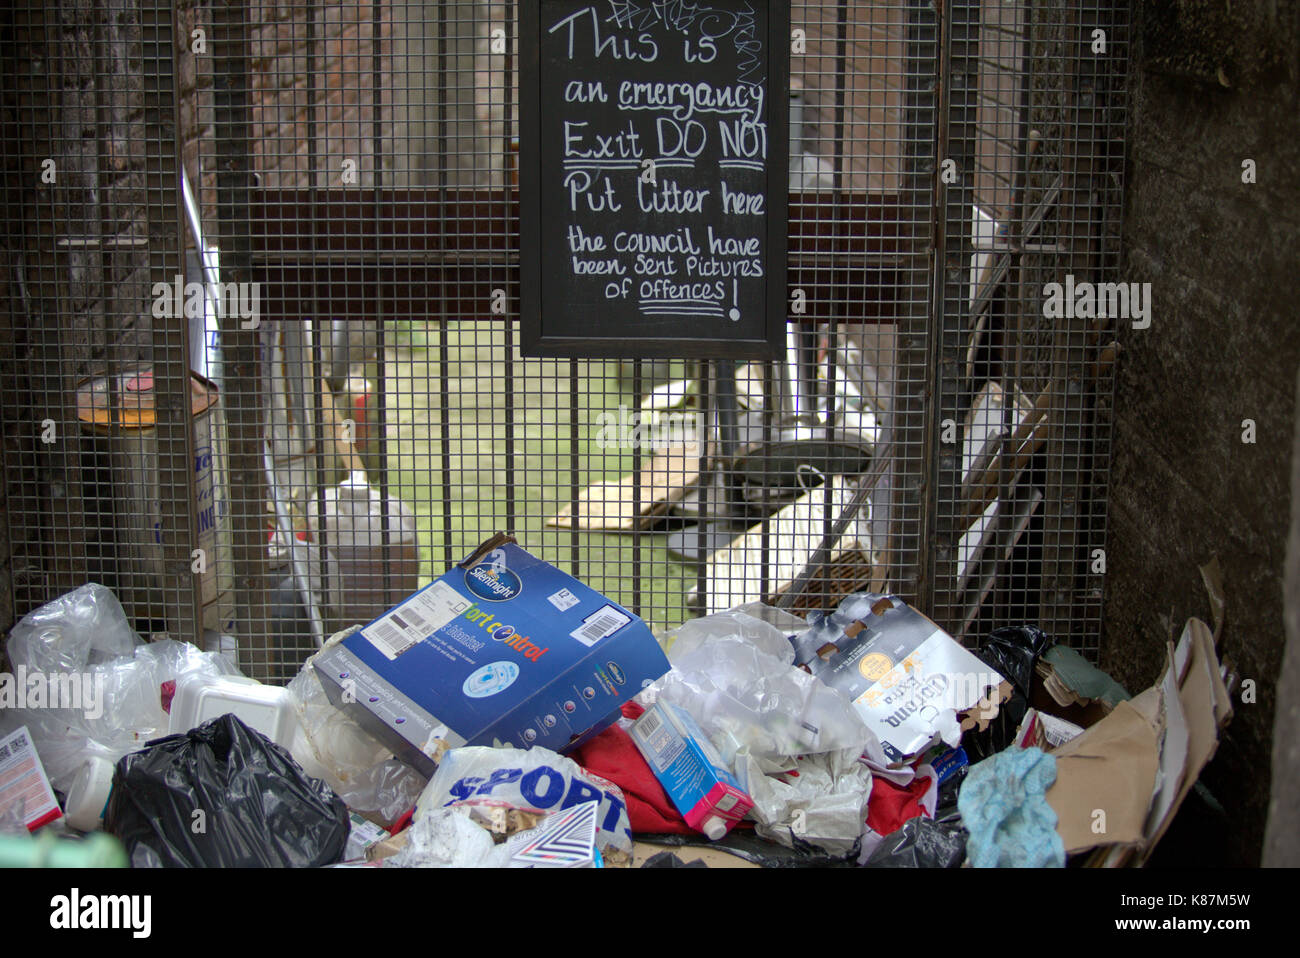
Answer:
(911, 682)
(1110, 769)
(25, 792)
(984, 424)
(1212, 577)
(1003, 454)
(566, 839)
(1120, 784)
(1072, 680)
(611, 506)
(1198, 701)
(1173, 746)
(387, 847)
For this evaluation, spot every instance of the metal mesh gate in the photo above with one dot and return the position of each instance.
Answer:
(339, 264)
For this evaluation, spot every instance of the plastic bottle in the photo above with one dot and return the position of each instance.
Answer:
(358, 560)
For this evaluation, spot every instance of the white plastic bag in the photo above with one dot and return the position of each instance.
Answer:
(447, 838)
(825, 804)
(536, 780)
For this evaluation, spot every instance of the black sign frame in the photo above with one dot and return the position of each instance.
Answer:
(685, 342)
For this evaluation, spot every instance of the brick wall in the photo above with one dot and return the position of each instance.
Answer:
(874, 45)
(329, 61)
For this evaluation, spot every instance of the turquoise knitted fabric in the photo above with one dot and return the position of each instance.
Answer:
(1003, 805)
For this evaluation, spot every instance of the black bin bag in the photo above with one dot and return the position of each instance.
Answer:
(258, 808)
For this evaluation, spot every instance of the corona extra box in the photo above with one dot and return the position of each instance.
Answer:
(912, 683)
(504, 649)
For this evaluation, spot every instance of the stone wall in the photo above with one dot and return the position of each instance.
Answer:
(1211, 87)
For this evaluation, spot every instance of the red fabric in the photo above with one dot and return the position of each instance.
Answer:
(891, 806)
(402, 821)
(614, 756)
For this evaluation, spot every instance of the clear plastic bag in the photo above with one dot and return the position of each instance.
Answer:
(330, 745)
(744, 697)
(138, 690)
(754, 623)
(80, 628)
(125, 699)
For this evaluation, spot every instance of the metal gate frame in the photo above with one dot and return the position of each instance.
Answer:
(1073, 101)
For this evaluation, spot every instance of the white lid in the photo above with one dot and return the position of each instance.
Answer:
(201, 697)
(88, 794)
(714, 827)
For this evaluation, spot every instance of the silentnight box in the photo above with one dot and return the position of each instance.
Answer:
(504, 649)
(911, 682)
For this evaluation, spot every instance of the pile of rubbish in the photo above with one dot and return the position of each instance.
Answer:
(507, 715)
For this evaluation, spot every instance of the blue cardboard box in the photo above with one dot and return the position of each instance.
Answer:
(504, 649)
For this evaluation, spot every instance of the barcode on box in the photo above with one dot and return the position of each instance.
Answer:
(416, 619)
(602, 623)
(659, 742)
(388, 639)
(648, 724)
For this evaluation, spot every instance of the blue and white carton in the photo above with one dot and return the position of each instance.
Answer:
(690, 769)
(504, 649)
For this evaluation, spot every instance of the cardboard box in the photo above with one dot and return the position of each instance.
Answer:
(912, 683)
(504, 649)
(690, 770)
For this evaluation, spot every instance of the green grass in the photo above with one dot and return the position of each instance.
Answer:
(542, 450)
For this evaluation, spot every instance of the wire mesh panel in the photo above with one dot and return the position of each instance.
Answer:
(379, 213)
(354, 241)
(110, 441)
(1034, 132)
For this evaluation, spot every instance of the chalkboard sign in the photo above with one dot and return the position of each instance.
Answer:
(653, 176)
